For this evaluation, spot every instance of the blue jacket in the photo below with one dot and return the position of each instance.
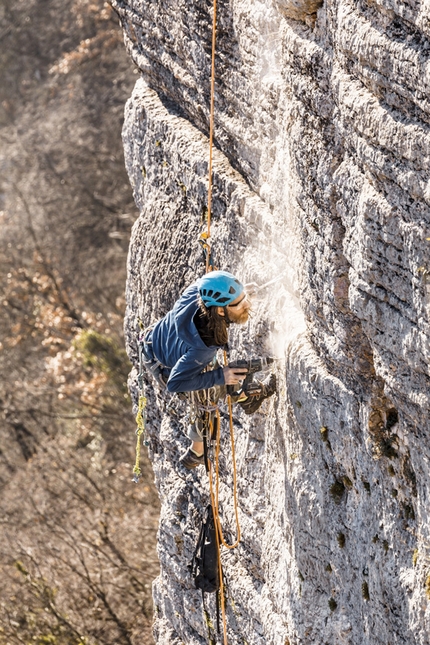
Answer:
(176, 343)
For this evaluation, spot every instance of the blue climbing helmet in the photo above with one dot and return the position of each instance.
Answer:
(219, 288)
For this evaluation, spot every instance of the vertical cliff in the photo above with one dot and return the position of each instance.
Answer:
(321, 175)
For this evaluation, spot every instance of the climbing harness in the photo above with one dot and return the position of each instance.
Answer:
(201, 401)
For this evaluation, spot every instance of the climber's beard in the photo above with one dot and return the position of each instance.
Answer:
(240, 318)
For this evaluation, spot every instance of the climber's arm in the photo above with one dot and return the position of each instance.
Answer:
(187, 375)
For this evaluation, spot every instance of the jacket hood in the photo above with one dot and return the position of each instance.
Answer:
(184, 311)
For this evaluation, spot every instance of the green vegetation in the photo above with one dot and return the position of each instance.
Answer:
(103, 353)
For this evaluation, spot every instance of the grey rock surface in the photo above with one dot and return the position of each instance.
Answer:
(320, 176)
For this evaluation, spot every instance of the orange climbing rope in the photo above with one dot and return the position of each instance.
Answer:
(211, 138)
(215, 505)
(205, 241)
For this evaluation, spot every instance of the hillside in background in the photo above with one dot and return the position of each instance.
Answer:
(78, 538)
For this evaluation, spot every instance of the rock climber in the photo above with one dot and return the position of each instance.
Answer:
(180, 349)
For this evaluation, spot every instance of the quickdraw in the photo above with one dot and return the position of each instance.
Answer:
(207, 252)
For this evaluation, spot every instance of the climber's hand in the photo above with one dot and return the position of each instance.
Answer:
(234, 375)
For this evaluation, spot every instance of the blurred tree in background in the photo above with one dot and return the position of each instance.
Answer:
(78, 538)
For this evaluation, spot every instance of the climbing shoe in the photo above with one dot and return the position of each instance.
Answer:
(257, 392)
(190, 460)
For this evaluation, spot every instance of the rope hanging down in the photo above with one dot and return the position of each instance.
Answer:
(214, 495)
(141, 410)
(205, 242)
(141, 426)
(211, 138)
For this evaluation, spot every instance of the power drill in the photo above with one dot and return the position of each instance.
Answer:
(253, 365)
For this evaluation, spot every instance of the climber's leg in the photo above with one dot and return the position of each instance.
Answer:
(194, 455)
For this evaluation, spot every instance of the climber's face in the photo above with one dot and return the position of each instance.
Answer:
(238, 310)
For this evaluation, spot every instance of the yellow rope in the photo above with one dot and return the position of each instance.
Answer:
(141, 423)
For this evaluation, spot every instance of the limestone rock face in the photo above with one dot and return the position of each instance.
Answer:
(320, 179)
